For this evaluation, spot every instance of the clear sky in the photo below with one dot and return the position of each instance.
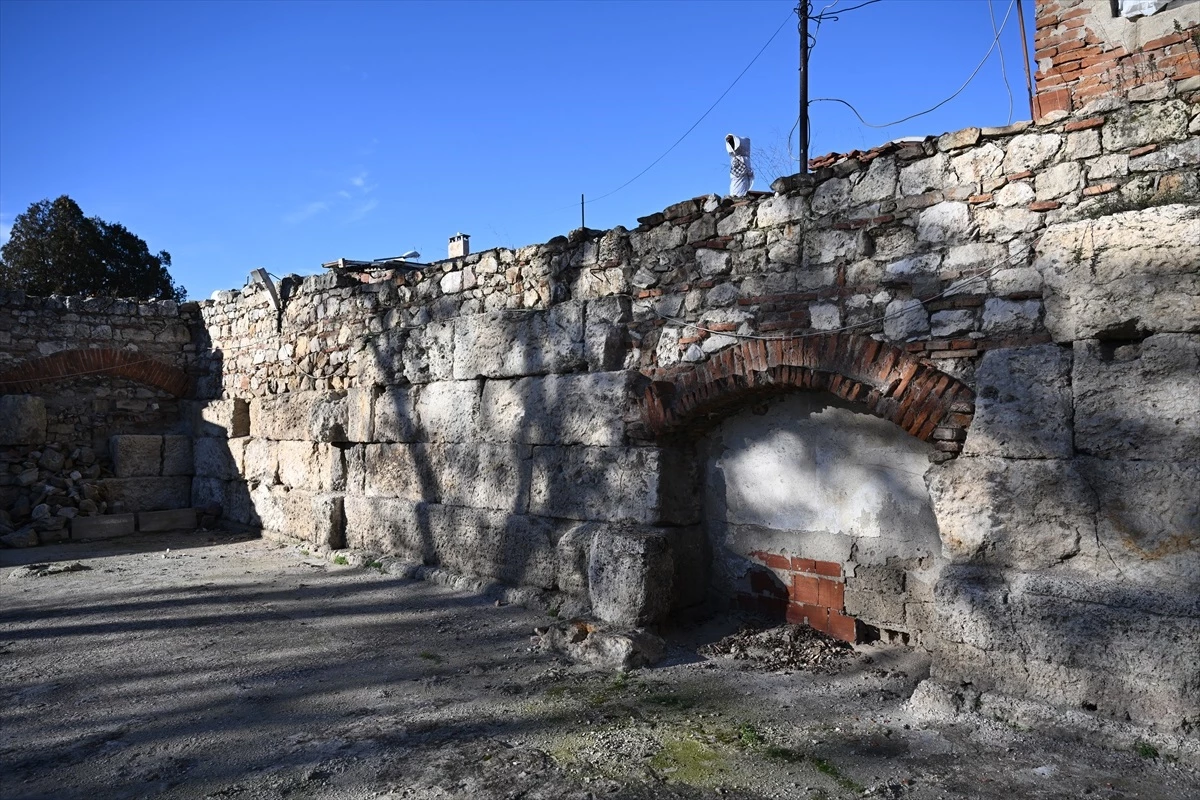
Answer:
(238, 135)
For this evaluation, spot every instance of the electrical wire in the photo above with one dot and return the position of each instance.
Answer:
(698, 121)
(1003, 68)
(933, 108)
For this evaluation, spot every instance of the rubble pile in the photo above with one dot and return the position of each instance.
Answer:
(42, 487)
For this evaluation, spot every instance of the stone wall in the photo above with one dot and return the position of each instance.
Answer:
(1016, 306)
(1087, 55)
(77, 374)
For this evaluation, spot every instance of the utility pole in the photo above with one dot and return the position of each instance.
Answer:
(1025, 50)
(802, 10)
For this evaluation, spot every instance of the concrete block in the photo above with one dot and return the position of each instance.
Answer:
(102, 527)
(22, 419)
(178, 519)
(136, 456)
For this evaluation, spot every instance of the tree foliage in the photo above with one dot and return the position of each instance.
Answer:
(55, 249)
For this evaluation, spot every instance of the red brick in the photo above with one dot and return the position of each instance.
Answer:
(803, 565)
(829, 568)
(1083, 124)
(1141, 151)
(771, 560)
(1101, 188)
(805, 589)
(843, 627)
(1044, 205)
(831, 594)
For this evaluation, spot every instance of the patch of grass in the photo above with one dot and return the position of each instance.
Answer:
(785, 754)
(1145, 750)
(830, 769)
(428, 656)
(340, 561)
(671, 700)
(688, 761)
(375, 564)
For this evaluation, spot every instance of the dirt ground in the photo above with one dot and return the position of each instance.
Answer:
(229, 667)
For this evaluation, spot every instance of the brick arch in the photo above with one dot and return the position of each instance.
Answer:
(883, 379)
(33, 374)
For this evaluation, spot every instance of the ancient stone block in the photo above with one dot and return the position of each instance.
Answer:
(905, 319)
(136, 455)
(1122, 274)
(320, 416)
(1148, 524)
(559, 409)
(448, 411)
(428, 353)
(574, 552)
(360, 414)
(395, 416)
(219, 458)
(1070, 642)
(630, 575)
(149, 494)
(1010, 317)
(310, 517)
(1030, 151)
(1023, 404)
(228, 418)
(22, 419)
(1039, 511)
(512, 548)
(978, 164)
(309, 465)
(494, 476)
(1143, 124)
(926, 175)
(233, 498)
(781, 210)
(1138, 399)
(944, 222)
(403, 471)
(599, 483)
(179, 519)
(104, 526)
(875, 594)
(177, 455)
(508, 344)
(260, 461)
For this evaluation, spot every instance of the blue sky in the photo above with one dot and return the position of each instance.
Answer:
(238, 135)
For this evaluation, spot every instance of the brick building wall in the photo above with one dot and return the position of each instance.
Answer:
(1085, 50)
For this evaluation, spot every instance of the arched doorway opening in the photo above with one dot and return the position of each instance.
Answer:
(810, 456)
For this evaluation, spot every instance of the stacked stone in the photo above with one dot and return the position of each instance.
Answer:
(45, 486)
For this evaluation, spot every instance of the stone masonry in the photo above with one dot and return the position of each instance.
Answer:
(1007, 319)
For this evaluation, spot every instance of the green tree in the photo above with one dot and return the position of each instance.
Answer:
(55, 249)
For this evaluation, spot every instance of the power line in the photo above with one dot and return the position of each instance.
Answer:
(702, 116)
(1003, 69)
(933, 108)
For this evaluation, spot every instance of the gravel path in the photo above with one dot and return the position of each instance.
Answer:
(228, 667)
